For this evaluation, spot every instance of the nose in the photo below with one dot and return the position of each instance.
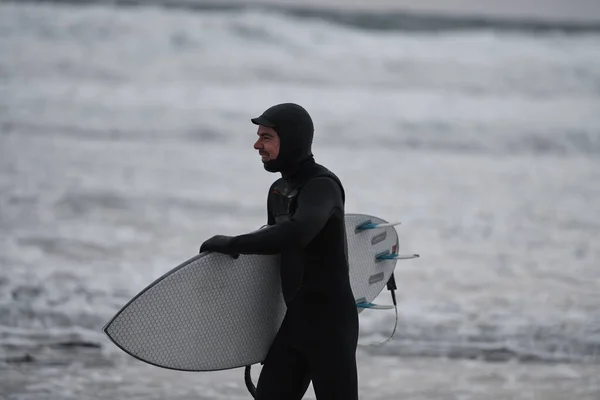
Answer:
(257, 145)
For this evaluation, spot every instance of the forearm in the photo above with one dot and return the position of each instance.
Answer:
(276, 239)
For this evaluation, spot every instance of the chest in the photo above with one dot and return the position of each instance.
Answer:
(283, 200)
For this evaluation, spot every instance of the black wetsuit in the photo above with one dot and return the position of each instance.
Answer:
(318, 337)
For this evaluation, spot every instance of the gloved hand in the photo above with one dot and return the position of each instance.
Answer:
(219, 244)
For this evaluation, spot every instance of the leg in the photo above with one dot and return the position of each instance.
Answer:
(334, 373)
(284, 375)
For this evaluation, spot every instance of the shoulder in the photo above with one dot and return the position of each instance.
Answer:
(276, 183)
(322, 171)
(324, 174)
(322, 186)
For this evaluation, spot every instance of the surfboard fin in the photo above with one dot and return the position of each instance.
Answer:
(373, 306)
(394, 256)
(370, 225)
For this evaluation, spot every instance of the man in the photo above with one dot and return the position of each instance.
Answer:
(305, 225)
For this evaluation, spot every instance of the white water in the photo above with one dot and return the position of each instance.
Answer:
(125, 141)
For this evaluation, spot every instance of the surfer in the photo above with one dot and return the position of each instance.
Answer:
(305, 224)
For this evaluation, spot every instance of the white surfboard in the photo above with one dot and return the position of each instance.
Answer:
(214, 312)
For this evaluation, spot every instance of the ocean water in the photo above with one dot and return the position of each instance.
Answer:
(125, 141)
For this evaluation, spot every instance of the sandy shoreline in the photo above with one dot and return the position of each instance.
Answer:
(381, 378)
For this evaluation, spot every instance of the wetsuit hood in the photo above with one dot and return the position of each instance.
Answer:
(295, 128)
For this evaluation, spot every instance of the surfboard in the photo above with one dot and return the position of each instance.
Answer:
(214, 312)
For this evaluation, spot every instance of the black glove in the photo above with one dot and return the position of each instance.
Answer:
(219, 244)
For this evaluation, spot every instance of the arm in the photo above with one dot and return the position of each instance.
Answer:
(270, 218)
(316, 202)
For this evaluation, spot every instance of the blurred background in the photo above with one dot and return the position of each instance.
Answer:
(125, 142)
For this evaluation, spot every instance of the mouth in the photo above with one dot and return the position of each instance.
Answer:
(264, 157)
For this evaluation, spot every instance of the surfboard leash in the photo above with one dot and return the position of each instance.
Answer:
(248, 379)
(391, 286)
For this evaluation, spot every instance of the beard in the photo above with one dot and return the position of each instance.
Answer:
(271, 166)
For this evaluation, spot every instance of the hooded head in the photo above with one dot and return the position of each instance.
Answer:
(295, 129)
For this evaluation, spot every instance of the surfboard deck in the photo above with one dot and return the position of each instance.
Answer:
(214, 312)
